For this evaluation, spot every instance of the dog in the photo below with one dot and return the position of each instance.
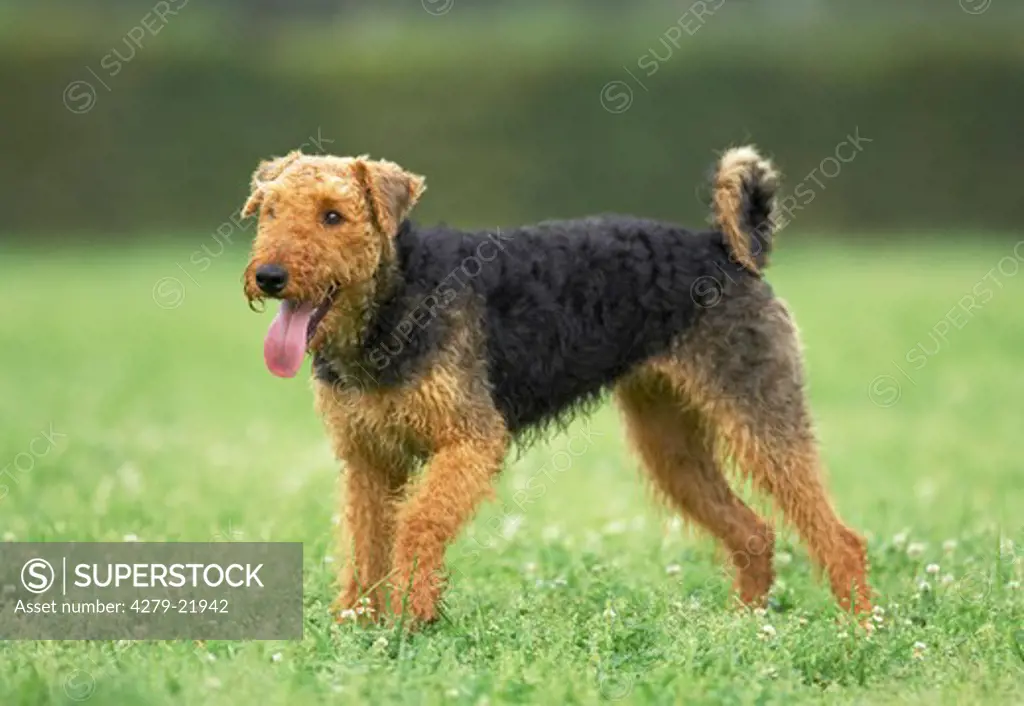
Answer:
(440, 349)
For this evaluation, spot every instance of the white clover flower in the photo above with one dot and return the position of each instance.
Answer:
(673, 569)
(551, 533)
(949, 545)
(768, 631)
(916, 549)
(510, 526)
(931, 569)
(276, 657)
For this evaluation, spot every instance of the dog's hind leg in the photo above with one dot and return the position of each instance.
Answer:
(677, 451)
(743, 366)
(789, 469)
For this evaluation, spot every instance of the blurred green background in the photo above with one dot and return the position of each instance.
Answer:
(123, 118)
(128, 130)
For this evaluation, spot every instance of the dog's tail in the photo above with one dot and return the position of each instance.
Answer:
(743, 202)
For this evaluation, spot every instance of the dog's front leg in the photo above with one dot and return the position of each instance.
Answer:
(372, 492)
(457, 479)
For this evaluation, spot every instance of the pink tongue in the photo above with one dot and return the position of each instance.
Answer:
(285, 344)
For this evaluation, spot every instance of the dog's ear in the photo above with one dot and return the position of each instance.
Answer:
(391, 192)
(267, 171)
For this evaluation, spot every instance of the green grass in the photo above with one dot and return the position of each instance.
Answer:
(175, 431)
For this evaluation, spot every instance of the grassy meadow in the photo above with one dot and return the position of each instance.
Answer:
(142, 367)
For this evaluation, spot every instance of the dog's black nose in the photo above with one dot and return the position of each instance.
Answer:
(271, 278)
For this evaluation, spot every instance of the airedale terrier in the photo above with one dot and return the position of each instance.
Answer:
(438, 347)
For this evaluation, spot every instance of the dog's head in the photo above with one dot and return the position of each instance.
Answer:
(326, 224)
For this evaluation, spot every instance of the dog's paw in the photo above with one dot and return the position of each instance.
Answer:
(414, 608)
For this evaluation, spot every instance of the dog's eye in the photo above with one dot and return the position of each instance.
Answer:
(332, 218)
